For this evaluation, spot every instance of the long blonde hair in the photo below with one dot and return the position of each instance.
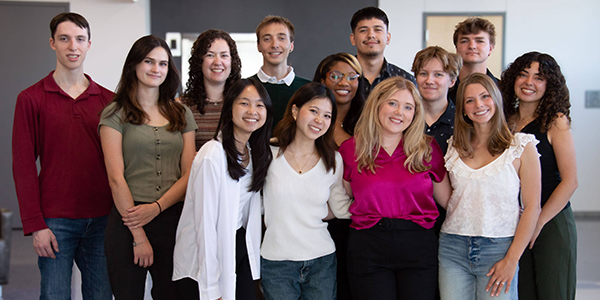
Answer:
(368, 135)
(464, 132)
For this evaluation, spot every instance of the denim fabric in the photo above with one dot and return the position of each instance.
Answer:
(464, 262)
(81, 240)
(312, 279)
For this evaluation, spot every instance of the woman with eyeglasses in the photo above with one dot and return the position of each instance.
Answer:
(341, 74)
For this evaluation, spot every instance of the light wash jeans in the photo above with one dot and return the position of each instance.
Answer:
(81, 240)
(313, 279)
(464, 262)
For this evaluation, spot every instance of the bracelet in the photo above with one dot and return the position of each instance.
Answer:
(135, 244)
(159, 207)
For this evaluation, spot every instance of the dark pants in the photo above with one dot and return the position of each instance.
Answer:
(127, 280)
(395, 259)
(338, 229)
(187, 288)
(548, 271)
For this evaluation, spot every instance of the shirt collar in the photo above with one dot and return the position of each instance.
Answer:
(50, 85)
(287, 80)
(448, 115)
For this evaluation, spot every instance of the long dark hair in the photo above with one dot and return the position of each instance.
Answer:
(556, 97)
(126, 93)
(259, 139)
(357, 103)
(285, 131)
(195, 92)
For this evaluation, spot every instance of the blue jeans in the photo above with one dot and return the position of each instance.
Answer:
(464, 262)
(312, 279)
(81, 240)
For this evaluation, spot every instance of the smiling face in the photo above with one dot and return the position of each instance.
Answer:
(313, 119)
(370, 37)
(344, 89)
(249, 113)
(397, 113)
(479, 105)
(530, 86)
(433, 82)
(216, 64)
(71, 44)
(275, 44)
(474, 48)
(153, 69)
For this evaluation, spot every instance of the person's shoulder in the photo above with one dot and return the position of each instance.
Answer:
(397, 71)
(36, 89)
(300, 80)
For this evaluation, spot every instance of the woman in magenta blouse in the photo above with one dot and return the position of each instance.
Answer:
(394, 172)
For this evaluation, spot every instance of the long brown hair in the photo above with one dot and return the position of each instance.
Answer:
(285, 131)
(464, 132)
(417, 145)
(126, 93)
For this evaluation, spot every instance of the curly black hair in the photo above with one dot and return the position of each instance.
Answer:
(556, 97)
(195, 93)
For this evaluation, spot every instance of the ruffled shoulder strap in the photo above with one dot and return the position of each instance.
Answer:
(520, 140)
(451, 156)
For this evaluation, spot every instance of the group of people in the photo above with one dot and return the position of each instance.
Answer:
(366, 183)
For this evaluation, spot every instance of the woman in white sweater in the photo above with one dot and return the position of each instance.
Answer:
(218, 236)
(304, 179)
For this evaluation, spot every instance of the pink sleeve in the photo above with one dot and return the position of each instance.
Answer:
(437, 171)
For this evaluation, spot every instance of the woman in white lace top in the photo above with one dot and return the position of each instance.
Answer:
(485, 234)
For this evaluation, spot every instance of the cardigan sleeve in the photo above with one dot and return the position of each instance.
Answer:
(339, 201)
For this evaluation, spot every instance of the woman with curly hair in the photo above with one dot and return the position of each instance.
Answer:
(394, 172)
(214, 66)
(537, 102)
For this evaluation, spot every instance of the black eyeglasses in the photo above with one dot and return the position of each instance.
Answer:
(336, 76)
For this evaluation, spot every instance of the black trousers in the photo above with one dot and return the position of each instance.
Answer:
(395, 259)
(128, 280)
(187, 288)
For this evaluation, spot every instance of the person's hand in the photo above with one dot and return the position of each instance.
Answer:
(501, 274)
(140, 215)
(535, 235)
(143, 255)
(44, 242)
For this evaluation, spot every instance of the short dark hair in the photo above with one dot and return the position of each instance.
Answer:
(76, 18)
(259, 139)
(475, 25)
(368, 13)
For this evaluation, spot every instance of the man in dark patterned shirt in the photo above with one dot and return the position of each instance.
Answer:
(370, 36)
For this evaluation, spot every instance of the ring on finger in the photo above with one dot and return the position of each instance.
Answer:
(497, 282)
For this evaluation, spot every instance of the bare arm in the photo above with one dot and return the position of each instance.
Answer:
(112, 145)
(562, 142)
(442, 191)
(530, 174)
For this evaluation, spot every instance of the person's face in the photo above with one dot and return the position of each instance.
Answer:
(313, 118)
(216, 65)
(370, 37)
(274, 43)
(153, 69)
(530, 86)
(479, 105)
(249, 112)
(347, 82)
(397, 113)
(474, 48)
(71, 44)
(433, 82)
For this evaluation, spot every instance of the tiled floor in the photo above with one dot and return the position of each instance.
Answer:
(24, 275)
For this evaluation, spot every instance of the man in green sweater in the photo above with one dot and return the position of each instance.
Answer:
(275, 40)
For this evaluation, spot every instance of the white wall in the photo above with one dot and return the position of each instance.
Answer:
(116, 25)
(568, 30)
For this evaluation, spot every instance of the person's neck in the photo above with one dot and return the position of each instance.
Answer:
(302, 145)
(72, 82)
(342, 111)
(482, 133)
(214, 92)
(469, 69)
(240, 140)
(527, 110)
(278, 71)
(371, 65)
(390, 142)
(147, 97)
(434, 109)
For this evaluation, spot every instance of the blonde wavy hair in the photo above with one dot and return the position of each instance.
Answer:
(417, 145)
